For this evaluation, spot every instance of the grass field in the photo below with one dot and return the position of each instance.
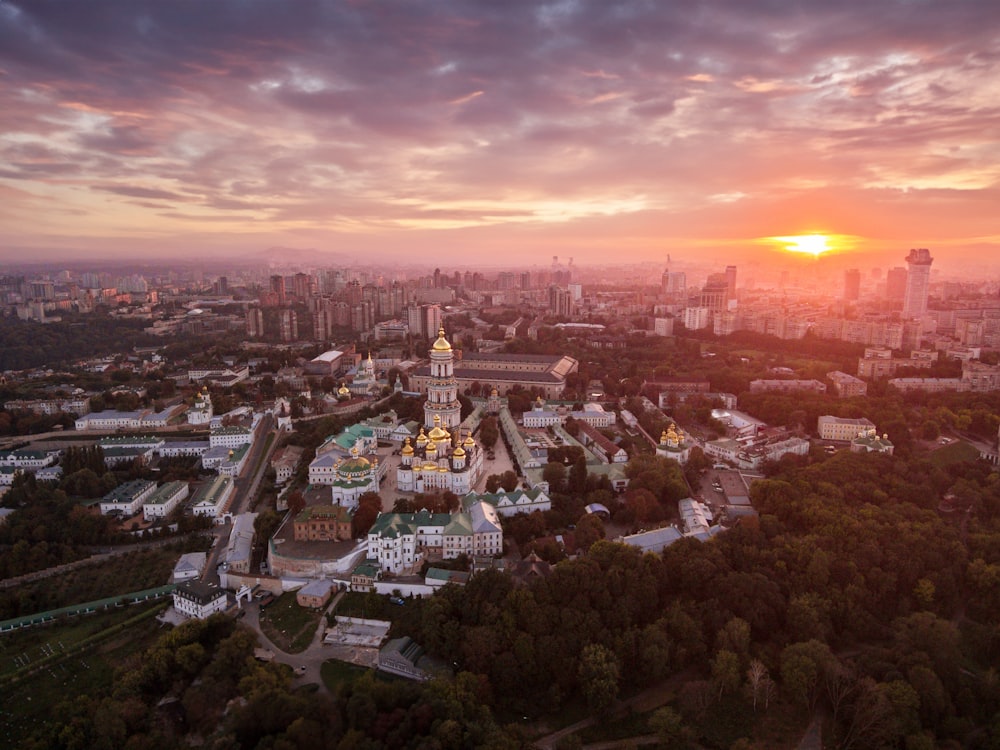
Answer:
(29, 704)
(954, 453)
(335, 673)
(289, 626)
(136, 571)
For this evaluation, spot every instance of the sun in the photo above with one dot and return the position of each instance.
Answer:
(809, 244)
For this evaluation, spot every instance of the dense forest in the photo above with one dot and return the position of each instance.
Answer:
(852, 593)
(25, 344)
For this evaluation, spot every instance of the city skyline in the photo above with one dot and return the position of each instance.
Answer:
(460, 133)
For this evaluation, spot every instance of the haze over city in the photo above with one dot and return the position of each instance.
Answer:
(458, 133)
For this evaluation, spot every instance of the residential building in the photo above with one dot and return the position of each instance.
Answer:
(398, 542)
(240, 548)
(918, 280)
(315, 594)
(199, 600)
(842, 428)
(232, 437)
(163, 501)
(786, 386)
(847, 386)
(323, 523)
(127, 499)
(213, 498)
(511, 503)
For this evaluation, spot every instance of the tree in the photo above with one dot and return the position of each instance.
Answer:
(488, 432)
(509, 481)
(760, 683)
(599, 674)
(555, 474)
(589, 530)
(266, 524)
(802, 666)
(669, 727)
(296, 503)
(369, 506)
(726, 672)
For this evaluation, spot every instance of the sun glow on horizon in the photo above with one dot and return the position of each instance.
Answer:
(808, 244)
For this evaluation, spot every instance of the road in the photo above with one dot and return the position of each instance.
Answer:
(312, 658)
(647, 700)
(247, 486)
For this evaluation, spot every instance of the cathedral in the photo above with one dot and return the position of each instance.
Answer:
(440, 458)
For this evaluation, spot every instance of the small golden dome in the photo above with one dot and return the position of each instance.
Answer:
(469, 442)
(441, 345)
(458, 453)
(343, 390)
(442, 469)
(407, 448)
(663, 436)
(494, 392)
(432, 447)
(421, 438)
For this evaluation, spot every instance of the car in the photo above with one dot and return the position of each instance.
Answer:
(396, 600)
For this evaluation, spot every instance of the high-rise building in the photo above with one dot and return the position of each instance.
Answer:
(852, 284)
(278, 287)
(560, 301)
(302, 286)
(731, 282)
(895, 284)
(288, 325)
(918, 281)
(255, 322)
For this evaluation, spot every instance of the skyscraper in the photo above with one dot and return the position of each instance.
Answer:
(918, 280)
(730, 282)
(852, 284)
(895, 284)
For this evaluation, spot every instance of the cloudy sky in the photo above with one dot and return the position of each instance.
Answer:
(497, 130)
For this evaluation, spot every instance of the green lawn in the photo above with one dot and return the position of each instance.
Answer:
(335, 672)
(630, 725)
(954, 453)
(35, 698)
(31, 645)
(289, 626)
(136, 571)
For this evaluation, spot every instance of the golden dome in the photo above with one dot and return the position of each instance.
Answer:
(494, 392)
(430, 466)
(458, 453)
(421, 438)
(469, 442)
(442, 469)
(407, 448)
(343, 390)
(441, 345)
(438, 433)
(432, 447)
(663, 436)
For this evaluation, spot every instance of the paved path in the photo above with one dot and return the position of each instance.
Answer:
(813, 738)
(312, 658)
(647, 700)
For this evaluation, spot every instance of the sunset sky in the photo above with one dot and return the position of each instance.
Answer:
(500, 131)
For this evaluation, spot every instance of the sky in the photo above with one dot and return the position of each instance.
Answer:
(470, 132)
